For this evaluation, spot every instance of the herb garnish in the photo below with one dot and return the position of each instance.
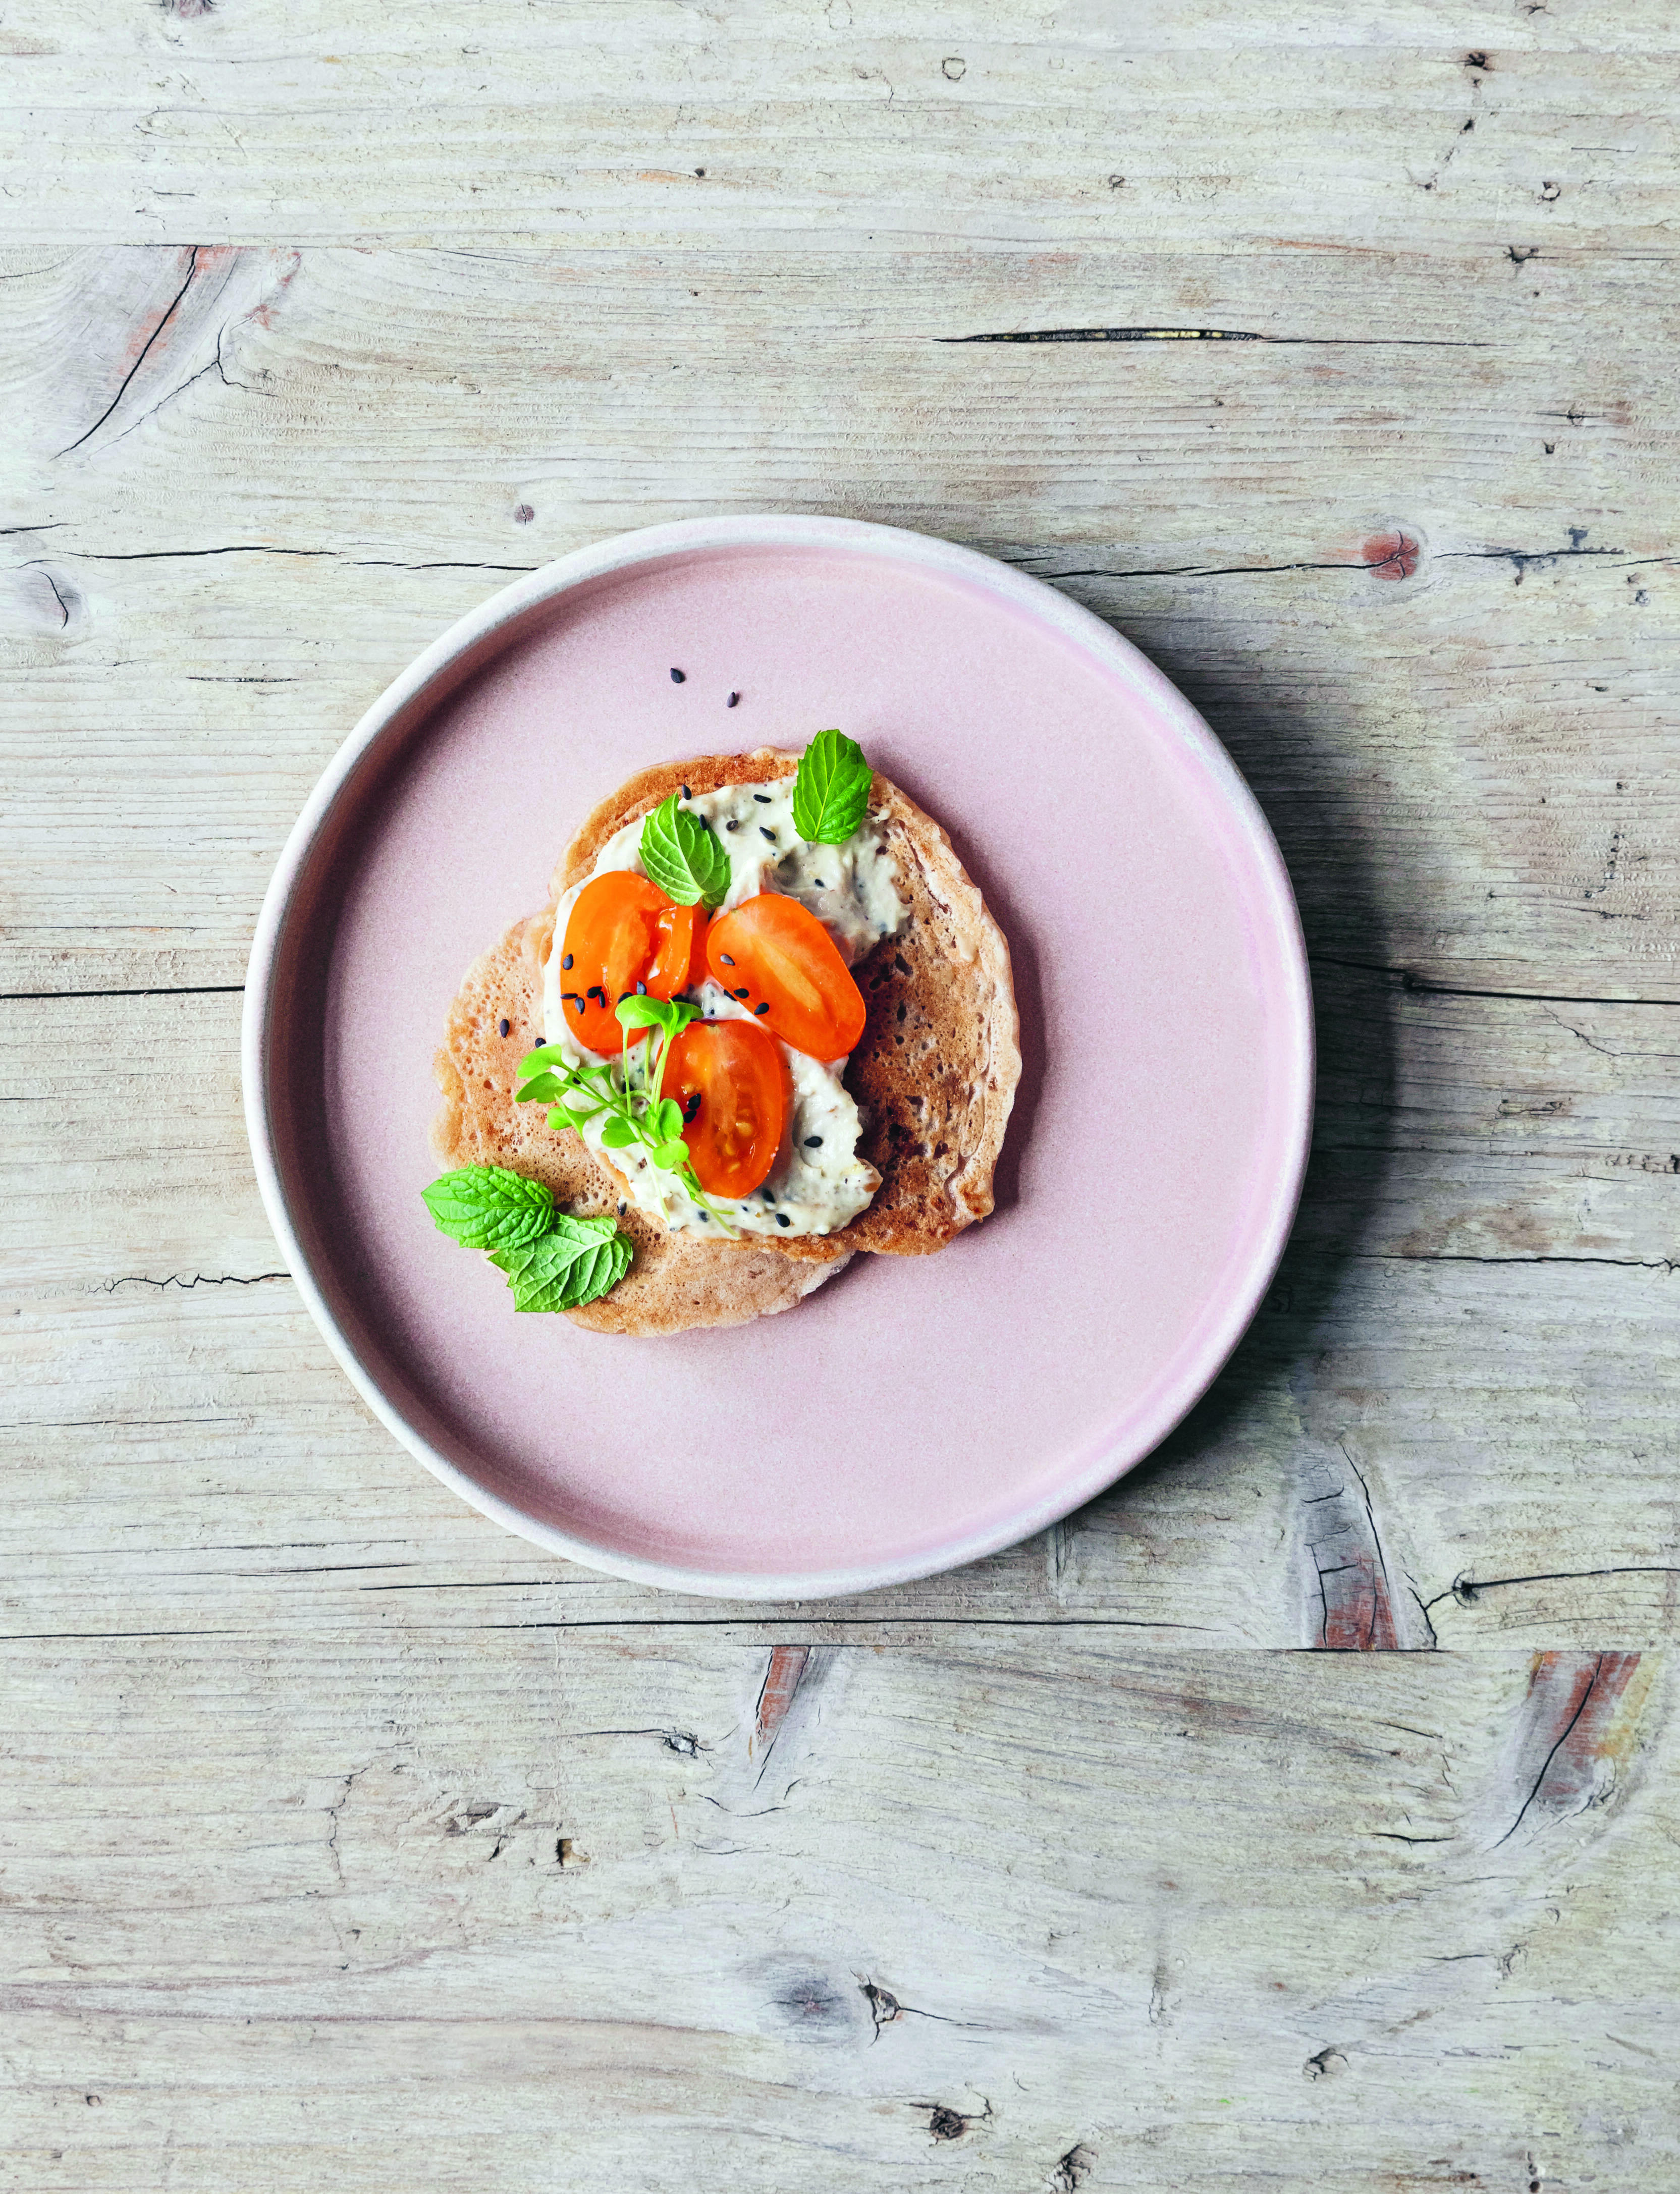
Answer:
(578, 1260)
(486, 1207)
(636, 1114)
(553, 1261)
(684, 858)
(831, 791)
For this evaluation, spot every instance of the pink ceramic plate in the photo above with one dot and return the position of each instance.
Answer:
(916, 1412)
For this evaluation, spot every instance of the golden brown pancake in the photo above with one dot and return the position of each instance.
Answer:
(934, 1075)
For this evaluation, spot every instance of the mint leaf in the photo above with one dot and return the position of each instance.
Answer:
(486, 1207)
(578, 1260)
(684, 858)
(832, 789)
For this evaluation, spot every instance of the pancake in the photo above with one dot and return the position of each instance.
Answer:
(934, 1075)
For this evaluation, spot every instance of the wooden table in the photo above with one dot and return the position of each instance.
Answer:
(349, 1844)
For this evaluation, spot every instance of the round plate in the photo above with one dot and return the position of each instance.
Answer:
(916, 1412)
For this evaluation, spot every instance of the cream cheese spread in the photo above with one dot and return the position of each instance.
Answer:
(818, 1182)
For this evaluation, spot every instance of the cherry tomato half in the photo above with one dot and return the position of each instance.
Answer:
(679, 962)
(729, 1079)
(611, 934)
(776, 957)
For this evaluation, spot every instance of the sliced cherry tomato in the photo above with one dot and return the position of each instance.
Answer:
(680, 960)
(729, 1079)
(776, 957)
(611, 935)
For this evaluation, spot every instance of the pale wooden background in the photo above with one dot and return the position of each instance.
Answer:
(348, 1844)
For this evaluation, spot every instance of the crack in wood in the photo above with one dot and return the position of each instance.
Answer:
(160, 990)
(271, 549)
(1538, 1257)
(1467, 1590)
(1216, 335)
(191, 268)
(1423, 987)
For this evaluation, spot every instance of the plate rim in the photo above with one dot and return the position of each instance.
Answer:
(470, 634)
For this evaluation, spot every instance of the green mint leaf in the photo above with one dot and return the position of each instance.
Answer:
(542, 1091)
(831, 791)
(670, 1156)
(578, 1260)
(618, 1134)
(684, 858)
(600, 1276)
(486, 1207)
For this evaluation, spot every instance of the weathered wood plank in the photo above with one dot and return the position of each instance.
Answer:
(377, 1910)
(320, 461)
(1464, 1372)
(1063, 123)
(406, 1857)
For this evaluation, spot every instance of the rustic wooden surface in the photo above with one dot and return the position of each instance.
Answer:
(350, 1844)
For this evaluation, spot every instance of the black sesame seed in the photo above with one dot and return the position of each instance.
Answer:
(813, 1142)
(732, 701)
(819, 884)
(732, 826)
(741, 993)
(782, 1220)
(770, 835)
(764, 1008)
(596, 991)
(725, 958)
(762, 798)
(566, 964)
(501, 1028)
(642, 990)
(687, 795)
(677, 677)
(705, 1215)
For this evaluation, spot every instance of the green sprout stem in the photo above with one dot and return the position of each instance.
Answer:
(549, 1079)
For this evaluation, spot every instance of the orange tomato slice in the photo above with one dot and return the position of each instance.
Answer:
(611, 936)
(729, 1079)
(680, 961)
(776, 957)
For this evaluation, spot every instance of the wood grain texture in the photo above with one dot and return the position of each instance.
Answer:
(1462, 1375)
(1299, 1813)
(381, 1908)
(1057, 121)
(258, 510)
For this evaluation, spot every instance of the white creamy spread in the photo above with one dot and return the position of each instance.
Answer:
(818, 1182)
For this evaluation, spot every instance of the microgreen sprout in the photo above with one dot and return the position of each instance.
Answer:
(627, 1092)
